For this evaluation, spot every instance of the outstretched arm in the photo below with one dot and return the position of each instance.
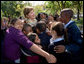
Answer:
(50, 58)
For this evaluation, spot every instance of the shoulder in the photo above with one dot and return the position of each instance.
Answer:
(73, 26)
(61, 42)
(35, 20)
(27, 20)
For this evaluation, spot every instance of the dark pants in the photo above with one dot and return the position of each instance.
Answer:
(22, 58)
(7, 61)
(64, 58)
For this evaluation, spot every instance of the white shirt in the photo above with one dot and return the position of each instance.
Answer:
(68, 23)
(56, 40)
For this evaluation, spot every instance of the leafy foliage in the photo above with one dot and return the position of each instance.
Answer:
(12, 8)
(15, 8)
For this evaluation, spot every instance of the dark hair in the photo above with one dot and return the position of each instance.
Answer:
(41, 26)
(32, 37)
(51, 15)
(38, 16)
(21, 17)
(25, 27)
(58, 27)
(56, 16)
(34, 29)
(46, 15)
(13, 21)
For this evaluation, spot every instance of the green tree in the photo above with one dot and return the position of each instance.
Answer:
(39, 8)
(78, 5)
(56, 6)
(2, 14)
(13, 8)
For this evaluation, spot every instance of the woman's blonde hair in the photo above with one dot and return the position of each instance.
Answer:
(27, 10)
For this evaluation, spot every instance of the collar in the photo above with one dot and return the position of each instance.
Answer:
(56, 40)
(30, 19)
(43, 32)
(68, 23)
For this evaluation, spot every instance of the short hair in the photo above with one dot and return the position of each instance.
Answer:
(13, 21)
(32, 36)
(41, 26)
(27, 10)
(56, 16)
(38, 16)
(58, 27)
(46, 15)
(25, 27)
(50, 15)
(68, 11)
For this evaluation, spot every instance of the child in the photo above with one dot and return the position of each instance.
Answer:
(50, 18)
(27, 29)
(44, 37)
(41, 17)
(30, 56)
(57, 32)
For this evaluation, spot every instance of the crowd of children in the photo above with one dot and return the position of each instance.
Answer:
(57, 35)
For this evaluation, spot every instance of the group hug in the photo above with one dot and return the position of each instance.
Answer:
(42, 39)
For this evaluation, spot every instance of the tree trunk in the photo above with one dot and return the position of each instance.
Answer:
(63, 4)
(78, 10)
(59, 5)
(78, 13)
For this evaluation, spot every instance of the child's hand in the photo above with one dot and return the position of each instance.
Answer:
(59, 48)
(51, 59)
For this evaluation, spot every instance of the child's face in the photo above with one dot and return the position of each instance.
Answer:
(42, 16)
(50, 18)
(37, 30)
(37, 40)
(53, 33)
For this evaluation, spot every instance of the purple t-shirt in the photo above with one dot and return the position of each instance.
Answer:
(14, 38)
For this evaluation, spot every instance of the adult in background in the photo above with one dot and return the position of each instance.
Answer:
(30, 16)
(41, 17)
